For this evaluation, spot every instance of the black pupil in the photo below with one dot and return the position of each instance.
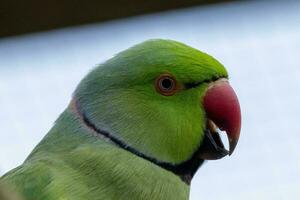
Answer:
(167, 84)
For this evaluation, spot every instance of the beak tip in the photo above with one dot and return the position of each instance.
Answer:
(232, 145)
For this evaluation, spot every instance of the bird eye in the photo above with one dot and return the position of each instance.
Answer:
(166, 84)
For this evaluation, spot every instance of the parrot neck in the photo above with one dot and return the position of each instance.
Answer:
(185, 170)
(72, 146)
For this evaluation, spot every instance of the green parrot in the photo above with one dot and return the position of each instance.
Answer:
(138, 127)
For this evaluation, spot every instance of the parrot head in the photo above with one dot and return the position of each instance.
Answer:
(163, 101)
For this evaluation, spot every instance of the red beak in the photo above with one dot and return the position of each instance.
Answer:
(223, 111)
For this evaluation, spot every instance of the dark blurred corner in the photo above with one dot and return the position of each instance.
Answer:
(25, 16)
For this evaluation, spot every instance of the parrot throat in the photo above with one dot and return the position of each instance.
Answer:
(184, 170)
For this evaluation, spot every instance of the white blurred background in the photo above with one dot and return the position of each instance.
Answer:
(258, 42)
